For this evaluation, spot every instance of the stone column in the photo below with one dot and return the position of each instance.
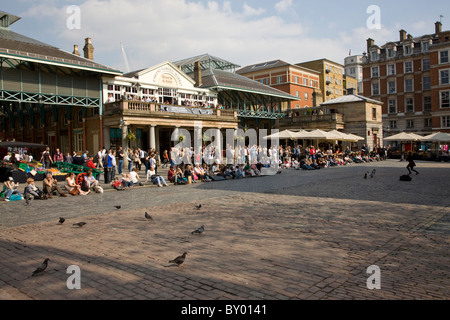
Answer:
(152, 136)
(106, 138)
(125, 146)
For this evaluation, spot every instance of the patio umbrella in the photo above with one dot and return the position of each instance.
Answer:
(286, 134)
(437, 137)
(344, 136)
(354, 137)
(404, 136)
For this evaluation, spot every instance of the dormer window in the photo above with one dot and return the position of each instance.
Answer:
(408, 49)
(374, 56)
(391, 52)
(425, 46)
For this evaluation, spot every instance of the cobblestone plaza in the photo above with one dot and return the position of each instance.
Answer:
(301, 235)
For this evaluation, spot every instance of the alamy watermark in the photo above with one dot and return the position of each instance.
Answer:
(73, 21)
(236, 147)
(374, 20)
(374, 281)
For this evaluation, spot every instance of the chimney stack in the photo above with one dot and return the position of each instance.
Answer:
(88, 49)
(402, 35)
(198, 74)
(438, 27)
(75, 50)
(370, 44)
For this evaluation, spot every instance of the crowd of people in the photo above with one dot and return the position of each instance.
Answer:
(185, 166)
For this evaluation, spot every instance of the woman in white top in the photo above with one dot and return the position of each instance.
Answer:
(71, 184)
(134, 176)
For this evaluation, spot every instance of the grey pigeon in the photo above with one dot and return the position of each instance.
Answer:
(199, 230)
(179, 260)
(373, 173)
(118, 207)
(61, 220)
(41, 268)
(79, 224)
(198, 207)
(148, 217)
(365, 176)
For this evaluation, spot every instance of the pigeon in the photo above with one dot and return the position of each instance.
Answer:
(198, 207)
(118, 207)
(148, 217)
(41, 268)
(61, 220)
(199, 230)
(373, 173)
(179, 260)
(365, 176)
(79, 224)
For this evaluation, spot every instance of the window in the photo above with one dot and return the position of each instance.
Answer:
(409, 85)
(391, 69)
(445, 121)
(443, 57)
(391, 53)
(305, 81)
(427, 123)
(374, 113)
(444, 77)
(306, 95)
(296, 79)
(425, 46)
(426, 66)
(391, 87)
(375, 72)
(374, 56)
(392, 106)
(426, 83)
(393, 124)
(279, 79)
(426, 103)
(408, 49)
(445, 99)
(410, 124)
(375, 88)
(408, 67)
(297, 94)
(409, 105)
(352, 70)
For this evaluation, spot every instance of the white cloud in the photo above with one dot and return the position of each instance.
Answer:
(154, 31)
(249, 11)
(283, 5)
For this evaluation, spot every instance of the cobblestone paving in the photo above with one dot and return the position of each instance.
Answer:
(298, 235)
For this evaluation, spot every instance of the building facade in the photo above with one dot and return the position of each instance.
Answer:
(295, 80)
(48, 95)
(411, 77)
(354, 68)
(331, 77)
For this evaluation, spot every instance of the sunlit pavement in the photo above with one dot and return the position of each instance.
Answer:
(298, 235)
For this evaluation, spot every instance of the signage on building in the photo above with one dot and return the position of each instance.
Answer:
(176, 109)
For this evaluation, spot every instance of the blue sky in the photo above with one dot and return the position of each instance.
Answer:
(244, 32)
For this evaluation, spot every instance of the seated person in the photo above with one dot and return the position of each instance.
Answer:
(50, 185)
(239, 172)
(126, 182)
(91, 183)
(10, 188)
(72, 186)
(157, 178)
(179, 174)
(189, 174)
(90, 163)
(117, 184)
(33, 192)
(171, 176)
(201, 174)
(134, 177)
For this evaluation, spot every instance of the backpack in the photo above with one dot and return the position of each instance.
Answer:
(15, 197)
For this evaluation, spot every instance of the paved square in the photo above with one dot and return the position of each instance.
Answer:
(298, 235)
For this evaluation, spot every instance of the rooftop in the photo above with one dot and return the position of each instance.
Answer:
(349, 99)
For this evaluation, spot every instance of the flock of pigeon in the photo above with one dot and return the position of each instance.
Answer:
(370, 174)
(178, 260)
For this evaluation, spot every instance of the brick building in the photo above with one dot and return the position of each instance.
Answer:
(411, 78)
(295, 80)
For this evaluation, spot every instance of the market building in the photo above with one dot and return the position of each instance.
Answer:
(49, 96)
(201, 92)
